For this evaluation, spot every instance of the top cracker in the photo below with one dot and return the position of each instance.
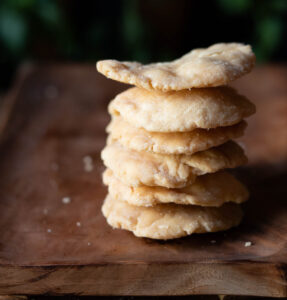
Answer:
(210, 67)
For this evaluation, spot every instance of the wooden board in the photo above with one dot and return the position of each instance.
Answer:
(57, 115)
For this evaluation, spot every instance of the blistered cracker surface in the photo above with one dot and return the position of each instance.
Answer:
(172, 142)
(207, 190)
(210, 67)
(169, 170)
(169, 221)
(181, 111)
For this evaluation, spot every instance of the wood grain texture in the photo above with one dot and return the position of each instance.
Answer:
(46, 246)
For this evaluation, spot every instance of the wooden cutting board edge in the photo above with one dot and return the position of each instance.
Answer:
(147, 279)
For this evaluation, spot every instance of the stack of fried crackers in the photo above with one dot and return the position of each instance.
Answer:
(170, 141)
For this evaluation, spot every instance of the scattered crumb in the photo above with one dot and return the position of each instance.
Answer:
(45, 211)
(66, 200)
(53, 183)
(79, 224)
(89, 244)
(247, 244)
(49, 230)
(51, 92)
(213, 241)
(243, 146)
(88, 163)
(54, 166)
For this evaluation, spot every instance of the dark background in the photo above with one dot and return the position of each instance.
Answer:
(143, 30)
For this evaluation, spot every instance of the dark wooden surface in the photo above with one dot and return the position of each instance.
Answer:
(57, 115)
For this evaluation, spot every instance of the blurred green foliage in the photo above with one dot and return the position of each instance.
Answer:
(23, 23)
(144, 30)
(269, 22)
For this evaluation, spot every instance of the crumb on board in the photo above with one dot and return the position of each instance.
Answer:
(78, 224)
(88, 163)
(242, 145)
(66, 200)
(51, 92)
(54, 166)
(248, 244)
(49, 230)
(89, 244)
(45, 211)
(53, 183)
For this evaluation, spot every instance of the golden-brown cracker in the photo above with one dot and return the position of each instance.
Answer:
(213, 66)
(183, 110)
(169, 221)
(169, 170)
(172, 142)
(207, 190)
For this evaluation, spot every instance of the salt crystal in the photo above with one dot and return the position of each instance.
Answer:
(78, 224)
(248, 244)
(49, 230)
